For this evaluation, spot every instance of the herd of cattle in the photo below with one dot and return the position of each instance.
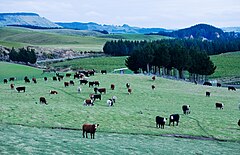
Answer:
(97, 95)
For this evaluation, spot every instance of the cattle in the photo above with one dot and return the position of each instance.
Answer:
(219, 105)
(66, 84)
(5, 81)
(79, 89)
(101, 90)
(92, 83)
(89, 128)
(45, 78)
(83, 73)
(231, 88)
(83, 81)
(19, 89)
(127, 85)
(208, 94)
(76, 75)
(53, 92)
(71, 82)
(96, 83)
(160, 122)
(186, 109)
(88, 102)
(174, 118)
(114, 98)
(54, 78)
(34, 80)
(219, 85)
(239, 122)
(153, 87)
(95, 90)
(112, 87)
(207, 83)
(95, 96)
(153, 78)
(42, 100)
(110, 102)
(12, 86)
(103, 71)
(59, 76)
(91, 73)
(12, 78)
(129, 91)
(27, 80)
(68, 74)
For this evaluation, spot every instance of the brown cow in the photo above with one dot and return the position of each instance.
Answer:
(89, 128)
(42, 100)
(53, 92)
(12, 86)
(101, 90)
(129, 91)
(112, 86)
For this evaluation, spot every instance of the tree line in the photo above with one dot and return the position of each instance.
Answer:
(25, 55)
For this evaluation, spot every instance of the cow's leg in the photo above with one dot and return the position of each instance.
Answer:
(86, 135)
(177, 123)
(83, 134)
(93, 135)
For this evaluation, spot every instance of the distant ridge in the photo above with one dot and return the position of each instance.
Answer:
(26, 20)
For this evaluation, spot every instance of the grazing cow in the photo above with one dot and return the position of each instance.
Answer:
(129, 91)
(5, 81)
(101, 90)
(42, 100)
(88, 102)
(186, 109)
(53, 92)
(103, 71)
(54, 78)
(91, 73)
(112, 87)
(91, 83)
(219, 85)
(153, 78)
(153, 87)
(110, 102)
(76, 75)
(45, 78)
(96, 83)
(89, 128)
(71, 82)
(219, 105)
(207, 83)
(79, 89)
(12, 78)
(208, 94)
(114, 98)
(231, 88)
(160, 122)
(174, 118)
(95, 96)
(27, 80)
(68, 74)
(127, 85)
(59, 76)
(239, 122)
(34, 80)
(12, 86)
(66, 84)
(83, 81)
(21, 89)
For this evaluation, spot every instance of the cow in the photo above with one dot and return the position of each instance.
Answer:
(208, 94)
(68, 74)
(27, 80)
(231, 88)
(19, 89)
(83, 81)
(239, 122)
(12, 86)
(219, 105)
(219, 85)
(160, 122)
(34, 80)
(92, 83)
(42, 100)
(101, 90)
(153, 78)
(88, 102)
(129, 91)
(91, 72)
(186, 109)
(76, 75)
(127, 85)
(54, 78)
(89, 128)
(95, 96)
(110, 102)
(153, 87)
(66, 84)
(53, 92)
(207, 83)
(5, 81)
(59, 76)
(112, 86)
(174, 118)
(71, 82)
(45, 78)
(114, 98)
(103, 71)
(79, 89)
(96, 83)
(12, 78)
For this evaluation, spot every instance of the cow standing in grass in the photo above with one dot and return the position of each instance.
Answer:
(186, 109)
(208, 94)
(12, 86)
(160, 122)
(19, 89)
(174, 118)
(42, 100)
(89, 128)
(219, 105)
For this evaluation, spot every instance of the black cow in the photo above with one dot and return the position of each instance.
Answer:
(5, 81)
(12, 78)
(231, 88)
(186, 109)
(92, 83)
(68, 74)
(21, 89)
(219, 105)
(103, 71)
(83, 81)
(66, 84)
(239, 122)
(54, 78)
(219, 85)
(91, 73)
(45, 78)
(89, 128)
(208, 94)
(174, 118)
(207, 83)
(71, 82)
(42, 100)
(160, 122)
(127, 85)
(95, 96)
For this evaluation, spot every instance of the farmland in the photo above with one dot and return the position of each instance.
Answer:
(131, 119)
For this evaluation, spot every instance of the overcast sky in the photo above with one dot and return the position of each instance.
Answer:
(168, 14)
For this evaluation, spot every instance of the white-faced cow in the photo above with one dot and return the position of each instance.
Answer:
(66, 84)
(42, 100)
(88, 102)
(127, 85)
(174, 118)
(208, 94)
(89, 128)
(19, 89)
(160, 122)
(219, 105)
(53, 92)
(12, 78)
(110, 102)
(95, 96)
(186, 109)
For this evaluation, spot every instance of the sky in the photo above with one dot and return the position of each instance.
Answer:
(169, 14)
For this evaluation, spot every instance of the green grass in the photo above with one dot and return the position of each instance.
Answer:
(227, 65)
